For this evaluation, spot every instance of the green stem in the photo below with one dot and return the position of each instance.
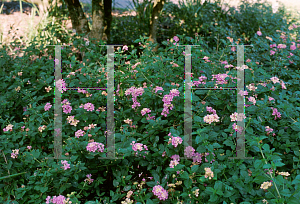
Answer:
(141, 198)
(269, 171)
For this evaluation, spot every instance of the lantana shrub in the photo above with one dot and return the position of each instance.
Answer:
(149, 125)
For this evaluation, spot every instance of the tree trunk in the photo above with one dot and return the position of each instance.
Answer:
(102, 18)
(78, 18)
(79, 22)
(157, 8)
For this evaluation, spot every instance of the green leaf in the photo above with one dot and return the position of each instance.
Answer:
(140, 79)
(40, 188)
(151, 183)
(218, 188)
(197, 119)
(279, 164)
(195, 168)
(296, 126)
(195, 98)
(184, 175)
(259, 179)
(249, 130)
(43, 189)
(229, 143)
(213, 198)
(216, 145)
(266, 147)
(115, 183)
(203, 130)
(126, 188)
(198, 139)
(293, 200)
(267, 166)
(155, 176)
(149, 202)
(296, 180)
(188, 183)
(286, 192)
(210, 190)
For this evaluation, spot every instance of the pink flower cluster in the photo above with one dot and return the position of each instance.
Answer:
(243, 93)
(47, 106)
(15, 153)
(66, 165)
(41, 128)
(134, 92)
(275, 80)
(176, 38)
(252, 99)
(125, 47)
(8, 127)
(268, 129)
(79, 133)
(175, 140)
(89, 178)
(61, 85)
(145, 110)
(212, 117)
(167, 99)
(138, 146)
(72, 121)
(56, 199)
(220, 78)
(93, 146)
(259, 33)
(228, 66)
(150, 118)
(201, 81)
(66, 106)
(206, 59)
(175, 160)
(189, 152)
(237, 117)
(160, 192)
(270, 98)
(88, 107)
(276, 113)
(224, 62)
(251, 87)
(237, 128)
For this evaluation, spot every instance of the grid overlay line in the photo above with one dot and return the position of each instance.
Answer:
(240, 148)
(110, 105)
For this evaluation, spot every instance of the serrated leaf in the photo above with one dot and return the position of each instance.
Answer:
(258, 164)
(115, 183)
(126, 188)
(259, 179)
(267, 166)
(194, 168)
(188, 183)
(197, 119)
(279, 164)
(184, 175)
(149, 202)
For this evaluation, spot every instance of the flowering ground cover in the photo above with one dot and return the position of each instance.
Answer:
(153, 164)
